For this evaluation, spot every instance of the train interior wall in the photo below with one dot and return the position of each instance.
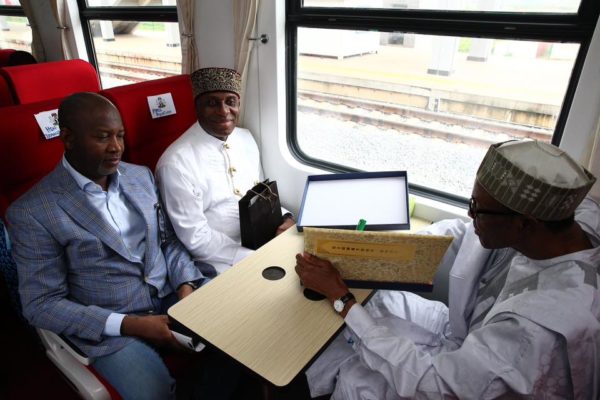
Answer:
(265, 100)
(26, 373)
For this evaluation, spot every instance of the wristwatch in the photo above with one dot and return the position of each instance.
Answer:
(340, 303)
(194, 284)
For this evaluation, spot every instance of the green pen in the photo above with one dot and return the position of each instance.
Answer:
(361, 225)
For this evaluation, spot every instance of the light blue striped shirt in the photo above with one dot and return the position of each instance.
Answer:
(122, 216)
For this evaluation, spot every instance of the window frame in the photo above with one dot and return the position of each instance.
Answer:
(117, 13)
(12, 11)
(576, 28)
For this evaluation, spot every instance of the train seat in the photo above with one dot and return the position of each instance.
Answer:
(8, 271)
(5, 56)
(73, 365)
(146, 138)
(27, 154)
(6, 96)
(28, 157)
(38, 82)
(12, 57)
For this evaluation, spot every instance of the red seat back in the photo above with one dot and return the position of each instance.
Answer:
(5, 56)
(27, 156)
(147, 138)
(6, 96)
(38, 82)
(10, 57)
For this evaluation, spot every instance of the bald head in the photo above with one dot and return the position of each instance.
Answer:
(92, 132)
(76, 108)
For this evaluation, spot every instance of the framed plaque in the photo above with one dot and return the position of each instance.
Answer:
(381, 260)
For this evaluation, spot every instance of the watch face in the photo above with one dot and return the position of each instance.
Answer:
(338, 305)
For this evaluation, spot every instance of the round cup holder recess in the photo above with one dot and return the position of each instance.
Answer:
(273, 273)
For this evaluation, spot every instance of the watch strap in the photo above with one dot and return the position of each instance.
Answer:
(194, 284)
(340, 304)
(347, 297)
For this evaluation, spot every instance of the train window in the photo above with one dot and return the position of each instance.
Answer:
(131, 41)
(135, 51)
(15, 32)
(424, 103)
(539, 6)
(428, 91)
(130, 3)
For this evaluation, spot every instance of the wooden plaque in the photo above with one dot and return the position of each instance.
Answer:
(391, 260)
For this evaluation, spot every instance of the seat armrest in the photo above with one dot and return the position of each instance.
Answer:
(56, 343)
(73, 365)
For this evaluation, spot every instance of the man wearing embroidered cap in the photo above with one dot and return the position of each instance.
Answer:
(204, 173)
(524, 311)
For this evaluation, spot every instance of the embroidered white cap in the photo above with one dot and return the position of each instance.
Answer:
(534, 178)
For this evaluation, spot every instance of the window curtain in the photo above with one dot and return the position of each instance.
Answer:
(189, 53)
(59, 10)
(244, 21)
(37, 48)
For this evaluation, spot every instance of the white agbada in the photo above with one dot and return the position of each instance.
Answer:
(201, 179)
(540, 339)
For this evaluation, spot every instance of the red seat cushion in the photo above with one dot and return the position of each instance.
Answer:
(27, 156)
(112, 392)
(43, 81)
(147, 138)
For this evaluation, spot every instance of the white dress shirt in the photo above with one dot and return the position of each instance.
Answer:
(201, 180)
(539, 336)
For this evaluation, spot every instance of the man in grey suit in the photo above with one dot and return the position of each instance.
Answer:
(96, 259)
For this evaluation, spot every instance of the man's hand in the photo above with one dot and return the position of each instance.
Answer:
(153, 328)
(320, 276)
(287, 223)
(184, 290)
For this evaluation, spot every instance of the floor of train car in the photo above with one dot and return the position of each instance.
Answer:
(26, 373)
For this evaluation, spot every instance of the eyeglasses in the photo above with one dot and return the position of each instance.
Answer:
(474, 212)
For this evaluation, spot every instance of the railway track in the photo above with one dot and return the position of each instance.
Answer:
(453, 128)
(131, 73)
(449, 127)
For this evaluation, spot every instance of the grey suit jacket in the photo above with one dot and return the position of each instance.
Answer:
(74, 269)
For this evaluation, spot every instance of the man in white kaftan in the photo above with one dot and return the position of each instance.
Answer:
(516, 326)
(204, 173)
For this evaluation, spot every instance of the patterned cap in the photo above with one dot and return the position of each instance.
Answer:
(534, 178)
(207, 80)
